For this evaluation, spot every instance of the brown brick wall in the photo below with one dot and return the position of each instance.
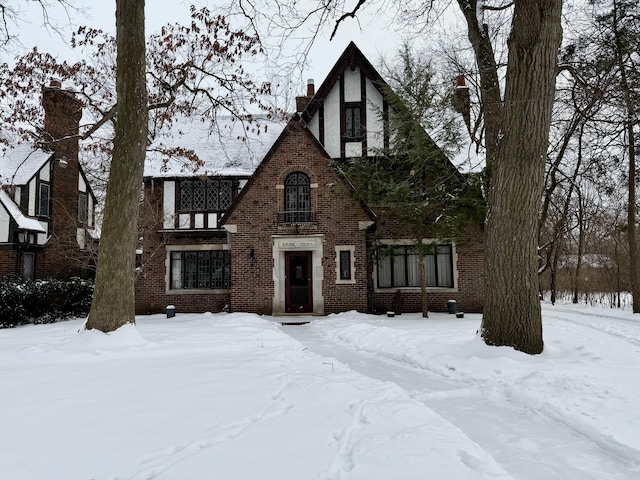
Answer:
(469, 294)
(255, 215)
(8, 262)
(151, 296)
(338, 218)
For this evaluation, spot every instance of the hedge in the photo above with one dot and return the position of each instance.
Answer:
(43, 301)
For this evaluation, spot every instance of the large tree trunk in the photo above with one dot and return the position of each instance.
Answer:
(512, 314)
(114, 299)
(625, 87)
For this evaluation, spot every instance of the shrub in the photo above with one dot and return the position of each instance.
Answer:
(43, 301)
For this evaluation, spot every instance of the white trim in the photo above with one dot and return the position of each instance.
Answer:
(307, 243)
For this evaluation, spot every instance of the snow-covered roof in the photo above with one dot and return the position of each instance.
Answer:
(230, 148)
(21, 162)
(24, 223)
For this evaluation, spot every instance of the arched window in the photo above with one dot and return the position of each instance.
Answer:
(297, 198)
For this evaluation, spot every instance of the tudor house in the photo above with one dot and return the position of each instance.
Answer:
(46, 202)
(291, 236)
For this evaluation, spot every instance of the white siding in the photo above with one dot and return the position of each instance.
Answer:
(169, 204)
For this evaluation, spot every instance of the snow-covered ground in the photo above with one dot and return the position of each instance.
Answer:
(349, 396)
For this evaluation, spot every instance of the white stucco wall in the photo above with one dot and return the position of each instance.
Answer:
(45, 173)
(332, 122)
(82, 185)
(168, 204)
(31, 211)
(4, 225)
(314, 126)
(352, 90)
(375, 124)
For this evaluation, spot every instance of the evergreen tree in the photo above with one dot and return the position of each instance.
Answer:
(412, 183)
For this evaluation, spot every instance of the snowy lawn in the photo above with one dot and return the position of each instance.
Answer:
(233, 396)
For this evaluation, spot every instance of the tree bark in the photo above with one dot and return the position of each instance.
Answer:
(625, 87)
(114, 299)
(512, 314)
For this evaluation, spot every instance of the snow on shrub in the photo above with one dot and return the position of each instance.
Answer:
(43, 301)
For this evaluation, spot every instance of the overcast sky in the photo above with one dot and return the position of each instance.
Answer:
(371, 32)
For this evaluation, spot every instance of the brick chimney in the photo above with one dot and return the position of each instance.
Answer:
(62, 114)
(461, 101)
(303, 102)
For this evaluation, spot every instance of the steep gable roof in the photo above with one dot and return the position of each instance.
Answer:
(350, 58)
(18, 164)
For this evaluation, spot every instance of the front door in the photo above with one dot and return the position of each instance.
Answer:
(298, 282)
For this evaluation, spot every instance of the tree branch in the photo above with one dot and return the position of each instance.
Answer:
(344, 16)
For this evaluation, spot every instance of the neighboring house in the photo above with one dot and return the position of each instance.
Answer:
(46, 202)
(293, 237)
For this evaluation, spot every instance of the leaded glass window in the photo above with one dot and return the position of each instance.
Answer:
(205, 195)
(225, 194)
(297, 197)
(202, 269)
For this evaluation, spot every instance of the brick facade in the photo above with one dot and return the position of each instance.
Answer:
(468, 293)
(339, 217)
(151, 282)
(270, 251)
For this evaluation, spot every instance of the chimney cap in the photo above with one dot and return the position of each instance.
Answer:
(311, 91)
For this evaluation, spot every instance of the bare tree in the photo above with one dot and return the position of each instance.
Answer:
(192, 70)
